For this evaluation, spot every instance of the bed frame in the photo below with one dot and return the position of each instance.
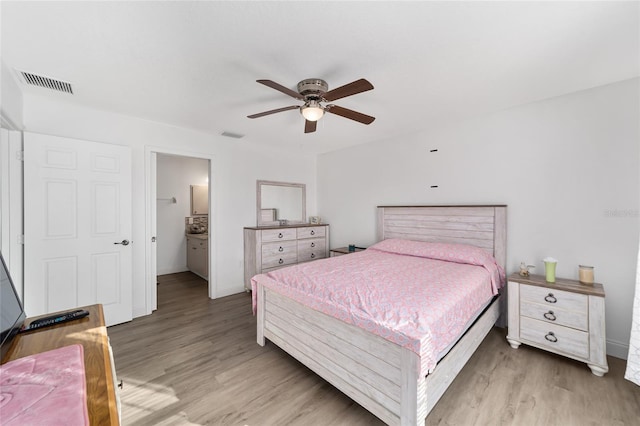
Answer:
(376, 373)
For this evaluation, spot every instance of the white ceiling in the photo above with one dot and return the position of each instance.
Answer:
(194, 64)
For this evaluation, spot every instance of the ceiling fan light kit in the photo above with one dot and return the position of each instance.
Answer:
(315, 91)
(312, 111)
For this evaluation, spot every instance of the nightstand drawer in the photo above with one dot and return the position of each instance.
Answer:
(555, 338)
(278, 234)
(554, 298)
(554, 315)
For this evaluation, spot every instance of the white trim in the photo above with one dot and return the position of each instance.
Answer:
(617, 349)
(7, 123)
(11, 205)
(150, 284)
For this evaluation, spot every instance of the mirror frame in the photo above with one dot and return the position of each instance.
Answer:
(259, 184)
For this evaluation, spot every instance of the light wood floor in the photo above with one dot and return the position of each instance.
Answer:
(195, 361)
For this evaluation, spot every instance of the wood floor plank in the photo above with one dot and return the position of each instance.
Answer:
(195, 361)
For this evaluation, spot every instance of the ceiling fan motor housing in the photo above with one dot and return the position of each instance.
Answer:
(313, 88)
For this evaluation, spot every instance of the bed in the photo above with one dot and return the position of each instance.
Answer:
(386, 375)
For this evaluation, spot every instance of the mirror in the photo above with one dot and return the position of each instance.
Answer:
(281, 203)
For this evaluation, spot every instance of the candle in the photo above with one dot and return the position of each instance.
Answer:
(585, 274)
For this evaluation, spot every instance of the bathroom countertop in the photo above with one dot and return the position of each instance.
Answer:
(198, 236)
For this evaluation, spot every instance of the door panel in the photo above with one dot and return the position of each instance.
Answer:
(60, 208)
(60, 281)
(77, 208)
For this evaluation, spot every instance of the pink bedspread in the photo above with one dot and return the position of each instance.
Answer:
(397, 290)
(46, 389)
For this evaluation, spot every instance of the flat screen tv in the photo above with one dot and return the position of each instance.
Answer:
(12, 314)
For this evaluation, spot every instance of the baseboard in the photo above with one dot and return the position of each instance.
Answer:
(229, 291)
(166, 271)
(617, 349)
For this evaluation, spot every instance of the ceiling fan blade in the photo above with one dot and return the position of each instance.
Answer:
(281, 88)
(310, 126)
(352, 88)
(273, 111)
(350, 114)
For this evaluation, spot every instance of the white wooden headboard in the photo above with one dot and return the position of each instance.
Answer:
(480, 226)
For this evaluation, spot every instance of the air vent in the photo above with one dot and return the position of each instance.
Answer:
(46, 82)
(232, 135)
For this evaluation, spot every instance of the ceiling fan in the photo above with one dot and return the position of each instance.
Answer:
(314, 92)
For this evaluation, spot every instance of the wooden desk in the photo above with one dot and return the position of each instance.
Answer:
(91, 333)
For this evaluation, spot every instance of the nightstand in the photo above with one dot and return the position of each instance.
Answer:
(342, 251)
(565, 317)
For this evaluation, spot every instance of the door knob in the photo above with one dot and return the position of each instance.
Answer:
(123, 242)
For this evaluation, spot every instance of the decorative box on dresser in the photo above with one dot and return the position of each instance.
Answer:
(565, 317)
(267, 248)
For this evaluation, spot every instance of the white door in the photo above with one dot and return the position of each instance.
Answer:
(77, 216)
(153, 220)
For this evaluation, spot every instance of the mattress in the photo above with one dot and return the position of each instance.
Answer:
(421, 296)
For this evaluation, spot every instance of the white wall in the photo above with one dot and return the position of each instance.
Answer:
(10, 98)
(175, 175)
(236, 168)
(566, 167)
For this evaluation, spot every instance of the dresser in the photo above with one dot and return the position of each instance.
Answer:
(565, 317)
(272, 247)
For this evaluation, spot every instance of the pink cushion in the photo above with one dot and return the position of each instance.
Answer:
(45, 389)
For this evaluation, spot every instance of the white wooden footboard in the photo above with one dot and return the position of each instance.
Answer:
(377, 374)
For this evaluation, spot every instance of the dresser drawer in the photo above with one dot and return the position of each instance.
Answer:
(278, 248)
(315, 244)
(311, 254)
(555, 338)
(554, 298)
(311, 231)
(555, 315)
(278, 234)
(280, 259)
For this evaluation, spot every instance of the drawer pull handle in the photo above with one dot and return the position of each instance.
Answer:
(280, 249)
(313, 244)
(551, 337)
(550, 316)
(280, 235)
(313, 255)
(281, 261)
(313, 232)
(550, 298)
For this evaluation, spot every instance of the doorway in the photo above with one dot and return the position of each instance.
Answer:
(169, 176)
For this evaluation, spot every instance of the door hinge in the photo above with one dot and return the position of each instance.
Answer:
(20, 155)
(21, 239)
